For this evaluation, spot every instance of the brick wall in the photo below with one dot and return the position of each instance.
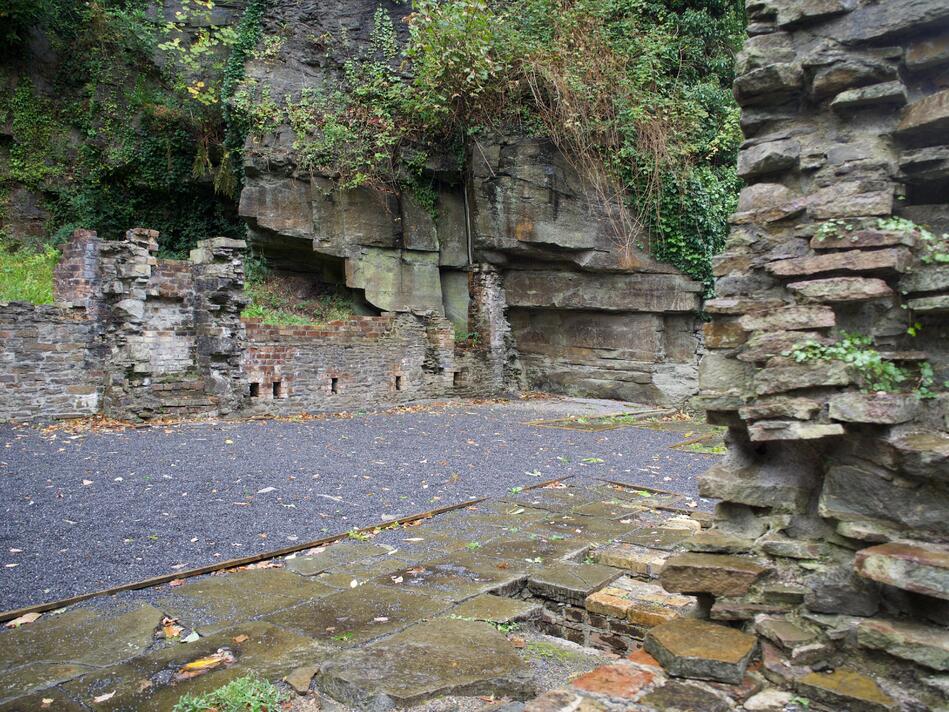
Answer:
(359, 362)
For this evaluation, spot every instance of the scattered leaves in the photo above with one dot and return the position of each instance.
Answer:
(25, 619)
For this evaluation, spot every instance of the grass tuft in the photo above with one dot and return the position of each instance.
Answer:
(245, 694)
(27, 276)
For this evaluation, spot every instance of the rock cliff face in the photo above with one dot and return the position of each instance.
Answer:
(585, 315)
(835, 479)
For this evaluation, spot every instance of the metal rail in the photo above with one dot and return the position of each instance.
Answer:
(252, 559)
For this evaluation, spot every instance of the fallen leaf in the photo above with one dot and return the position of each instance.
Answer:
(23, 620)
(241, 638)
(380, 619)
(518, 642)
(47, 701)
(176, 582)
(144, 685)
(353, 583)
(222, 657)
(396, 579)
(170, 627)
(228, 442)
(265, 490)
(192, 637)
(103, 698)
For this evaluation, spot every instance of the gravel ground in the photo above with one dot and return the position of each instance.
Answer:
(86, 511)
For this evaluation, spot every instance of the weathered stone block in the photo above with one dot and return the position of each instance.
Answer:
(778, 408)
(885, 94)
(701, 650)
(854, 492)
(890, 260)
(630, 557)
(724, 334)
(769, 84)
(927, 118)
(771, 485)
(923, 454)
(842, 289)
(768, 344)
(768, 157)
(567, 582)
(779, 379)
(768, 430)
(913, 566)
(714, 574)
(882, 408)
(846, 689)
(790, 319)
(923, 644)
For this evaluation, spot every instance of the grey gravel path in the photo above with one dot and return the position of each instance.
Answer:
(85, 512)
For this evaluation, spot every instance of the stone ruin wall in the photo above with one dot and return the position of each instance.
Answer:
(135, 337)
(831, 536)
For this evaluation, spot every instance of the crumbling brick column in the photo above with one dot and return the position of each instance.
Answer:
(488, 321)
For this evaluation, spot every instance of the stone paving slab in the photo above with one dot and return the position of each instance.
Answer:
(52, 700)
(150, 682)
(567, 582)
(431, 659)
(360, 614)
(82, 635)
(324, 558)
(238, 596)
(497, 609)
(459, 576)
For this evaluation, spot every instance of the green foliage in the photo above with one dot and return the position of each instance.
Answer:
(118, 141)
(935, 250)
(873, 372)
(27, 276)
(272, 302)
(245, 694)
(636, 93)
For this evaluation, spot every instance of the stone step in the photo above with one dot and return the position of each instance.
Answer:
(716, 574)
(638, 560)
(643, 604)
(697, 649)
(912, 566)
(802, 646)
(566, 582)
(923, 644)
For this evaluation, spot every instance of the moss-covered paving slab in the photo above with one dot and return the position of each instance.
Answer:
(86, 636)
(497, 609)
(360, 614)
(552, 499)
(662, 538)
(459, 576)
(24, 679)
(342, 576)
(687, 647)
(594, 530)
(442, 657)
(322, 559)
(239, 596)
(536, 549)
(156, 681)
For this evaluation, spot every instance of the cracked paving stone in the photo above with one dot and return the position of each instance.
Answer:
(240, 595)
(553, 500)
(459, 576)
(343, 576)
(23, 680)
(845, 689)
(443, 657)
(567, 582)
(147, 683)
(354, 616)
(677, 696)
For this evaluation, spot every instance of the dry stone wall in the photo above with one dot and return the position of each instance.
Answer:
(831, 536)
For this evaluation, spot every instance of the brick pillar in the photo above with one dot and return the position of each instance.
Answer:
(488, 319)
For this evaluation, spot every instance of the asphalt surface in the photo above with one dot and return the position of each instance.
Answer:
(89, 510)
